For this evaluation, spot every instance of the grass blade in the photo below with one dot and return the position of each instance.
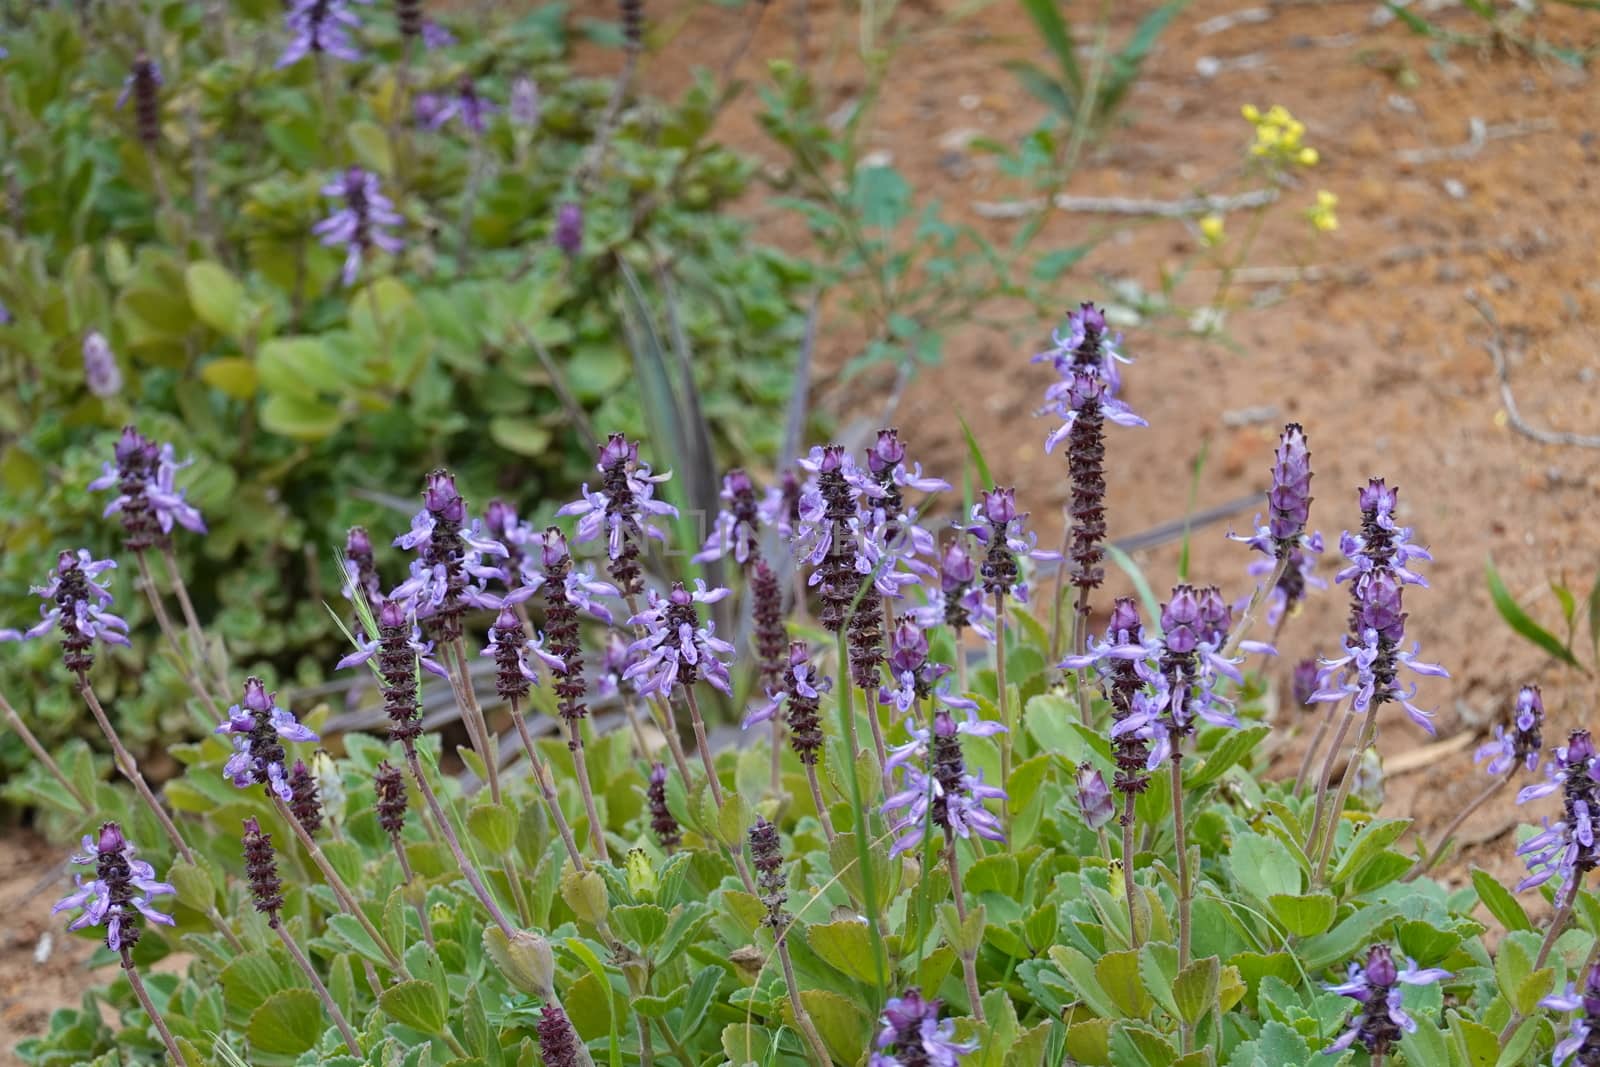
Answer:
(977, 454)
(1522, 623)
(1147, 597)
(1046, 16)
(1594, 617)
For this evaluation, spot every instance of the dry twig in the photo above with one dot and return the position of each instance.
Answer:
(1495, 346)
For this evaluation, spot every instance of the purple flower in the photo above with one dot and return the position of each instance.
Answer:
(1568, 848)
(319, 26)
(1289, 499)
(944, 795)
(1521, 743)
(558, 1041)
(737, 525)
(676, 648)
(361, 568)
(1583, 1032)
(510, 647)
(992, 524)
(914, 677)
(1094, 797)
(450, 551)
(623, 510)
(913, 1035)
(369, 650)
(119, 893)
(1380, 1020)
(435, 36)
(362, 223)
(568, 232)
(958, 601)
(662, 822)
(100, 372)
(148, 498)
(259, 727)
(614, 662)
(75, 601)
(465, 105)
(526, 106)
(1304, 683)
(800, 699)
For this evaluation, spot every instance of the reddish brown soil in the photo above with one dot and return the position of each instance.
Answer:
(32, 877)
(1381, 357)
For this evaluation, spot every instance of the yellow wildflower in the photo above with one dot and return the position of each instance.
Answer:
(1280, 137)
(1211, 230)
(1321, 214)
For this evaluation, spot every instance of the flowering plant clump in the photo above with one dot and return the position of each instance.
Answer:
(956, 847)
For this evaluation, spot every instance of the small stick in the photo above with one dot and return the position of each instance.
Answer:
(130, 770)
(969, 963)
(547, 789)
(1127, 869)
(702, 744)
(468, 870)
(337, 884)
(170, 632)
(1429, 859)
(149, 1007)
(316, 984)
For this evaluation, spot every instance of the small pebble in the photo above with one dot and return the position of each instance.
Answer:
(1455, 189)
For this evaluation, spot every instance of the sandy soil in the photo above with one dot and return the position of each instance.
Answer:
(41, 966)
(1377, 352)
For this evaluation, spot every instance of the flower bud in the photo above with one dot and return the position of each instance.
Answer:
(585, 894)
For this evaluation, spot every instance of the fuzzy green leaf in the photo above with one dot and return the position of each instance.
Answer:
(289, 1022)
(415, 1003)
(1522, 623)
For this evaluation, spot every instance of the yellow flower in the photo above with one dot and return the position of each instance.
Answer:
(1211, 230)
(1322, 216)
(1280, 137)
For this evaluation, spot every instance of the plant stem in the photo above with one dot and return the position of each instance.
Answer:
(468, 870)
(816, 798)
(406, 876)
(1558, 921)
(41, 754)
(1369, 727)
(1004, 706)
(1429, 859)
(1185, 888)
(869, 889)
(337, 884)
(802, 1018)
(1247, 620)
(775, 786)
(130, 769)
(197, 635)
(675, 1045)
(1311, 751)
(877, 739)
(1327, 776)
(472, 712)
(597, 831)
(702, 743)
(969, 962)
(1128, 886)
(547, 789)
(1080, 644)
(170, 632)
(1061, 586)
(149, 1007)
(316, 984)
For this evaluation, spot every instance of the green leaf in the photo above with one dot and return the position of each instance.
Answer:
(1118, 974)
(520, 434)
(844, 1027)
(1057, 35)
(1079, 972)
(1195, 991)
(1304, 916)
(643, 924)
(1158, 966)
(1340, 943)
(288, 1023)
(978, 462)
(371, 146)
(1478, 1045)
(234, 376)
(846, 946)
(347, 929)
(1234, 746)
(415, 1003)
(495, 825)
(1372, 839)
(1512, 965)
(1053, 265)
(1594, 617)
(217, 298)
(194, 884)
(745, 1044)
(1048, 92)
(1424, 1044)
(296, 417)
(1522, 624)
(881, 196)
(1517, 1047)
(1262, 868)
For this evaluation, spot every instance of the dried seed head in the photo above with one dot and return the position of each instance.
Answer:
(261, 868)
(390, 786)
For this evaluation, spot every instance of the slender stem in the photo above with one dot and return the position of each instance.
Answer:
(130, 769)
(877, 739)
(337, 884)
(702, 744)
(190, 676)
(1326, 776)
(847, 710)
(775, 784)
(41, 754)
(468, 697)
(1185, 889)
(1061, 587)
(1558, 922)
(597, 831)
(869, 888)
(149, 1007)
(668, 722)
(1004, 706)
(1128, 887)
(969, 962)
(316, 984)
(476, 165)
(961, 665)
(547, 789)
(406, 876)
(674, 1044)
(1247, 620)
(631, 713)
(816, 798)
(1369, 728)
(802, 1018)
(468, 870)
(1311, 750)
(1080, 644)
(196, 633)
(1429, 859)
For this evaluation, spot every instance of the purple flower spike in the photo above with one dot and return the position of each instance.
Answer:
(322, 27)
(800, 700)
(148, 499)
(958, 602)
(144, 84)
(1583, 1032)
(120, 893)
(913, 1034)
(435, 36)
(738, 525)
(1569, 848)
(676, 648)
(75, 602)
(992, 524)
(662, 822)
(472, 110)
(1305, 682)
(1289, 499)
(1521, 743)
(259, 727)
(568, 233)
(362, 224)
(623, 510)
(944, 794)
(100, 371)
(1380, 1021)
(1094, 798)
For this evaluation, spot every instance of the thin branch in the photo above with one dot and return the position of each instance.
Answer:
(1124, 205)
(1495, 346)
